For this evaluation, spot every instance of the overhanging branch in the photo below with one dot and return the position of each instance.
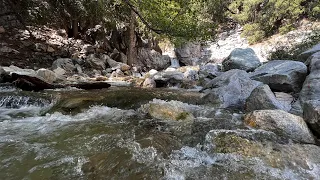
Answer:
(133, 8)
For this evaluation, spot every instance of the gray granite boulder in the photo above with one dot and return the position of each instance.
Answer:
(285, 125)
(310, 100)
(231, 89)
(263, 98)
(65, 64)
(151, 59)
(96, 63)
(282, 75)
(244, 59)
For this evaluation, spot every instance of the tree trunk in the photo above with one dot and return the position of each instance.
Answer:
(75, 28)
(132, 53)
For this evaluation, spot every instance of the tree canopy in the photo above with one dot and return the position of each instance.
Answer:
(175, 19)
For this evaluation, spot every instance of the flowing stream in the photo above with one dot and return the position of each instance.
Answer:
(102, 134)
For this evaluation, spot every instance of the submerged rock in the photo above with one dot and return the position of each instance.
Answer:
(172, 110)
(252, 154)
(244, 59)
(231, 89)
(285, 125)
(282, 75)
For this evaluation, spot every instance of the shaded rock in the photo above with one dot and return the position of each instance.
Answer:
(296, 109)
(314, 62)
(311, 113)
(3, 75)
(209, 70)
(285, 99)
(305, 55)
(116, 65)
(191, 74)
(65, 64)
(283, 124)
(165, 78)
(262, 98)
(162, 110)
(96, 63)
(2, 30)
(79, 69)
(151, 59)
(40, 47)
(309, 99)
(50, 49)
(244, 59)
(47, 75)
(30, 83)
(6, 49)
(231, 89)
(189, 54)
(149, 83)
(59, 71)
(282, 75)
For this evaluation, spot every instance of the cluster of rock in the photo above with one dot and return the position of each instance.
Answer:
(278, 103)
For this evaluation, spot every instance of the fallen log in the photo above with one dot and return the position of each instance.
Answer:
(32, 83)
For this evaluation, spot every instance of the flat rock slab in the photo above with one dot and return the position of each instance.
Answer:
(282, 75)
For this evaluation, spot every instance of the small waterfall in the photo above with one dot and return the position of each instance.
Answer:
(20, 101)
(175, 63)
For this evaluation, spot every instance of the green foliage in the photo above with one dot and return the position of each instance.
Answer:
(180, 20)
(253, 32)
(268, 17)
(293, 52)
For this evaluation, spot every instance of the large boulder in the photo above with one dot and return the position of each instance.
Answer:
(47, 75)
(189, 54)
(282, 75)
(96, 63)
(151, 59)
(244, 59)
(310, 100)
(314, 62)
(231, 89)
(305, 55)
(64, 63)
(263, 98)
(285, 125)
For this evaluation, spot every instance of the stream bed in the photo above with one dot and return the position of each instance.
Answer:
(115, 134)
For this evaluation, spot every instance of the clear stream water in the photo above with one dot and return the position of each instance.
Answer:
(110, 138)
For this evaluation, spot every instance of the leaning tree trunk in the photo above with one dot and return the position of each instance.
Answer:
(132, 53)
